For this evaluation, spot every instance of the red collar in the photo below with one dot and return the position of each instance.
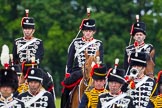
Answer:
(87, 40)
(140, 45)
(28, 38)
(99, 89)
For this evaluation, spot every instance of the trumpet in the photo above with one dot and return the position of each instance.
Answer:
(134, 72)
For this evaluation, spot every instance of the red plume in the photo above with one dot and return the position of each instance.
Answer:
(81, 25)
(92, 70)
(132, 28)
(158, 78)
(108, 73)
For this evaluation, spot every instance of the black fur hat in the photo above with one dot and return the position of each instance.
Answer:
(99, 73)
(89, 24)
(138, 59)
(35, 74)
(8, 77)
(117, 76)
(28, 23)
(139, 27)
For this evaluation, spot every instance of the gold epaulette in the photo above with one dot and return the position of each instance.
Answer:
(157, 101)
(22, 88)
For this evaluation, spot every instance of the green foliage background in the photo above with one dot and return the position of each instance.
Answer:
(58, 21)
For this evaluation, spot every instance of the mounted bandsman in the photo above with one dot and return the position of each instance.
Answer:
(138, 33)
(76, 57)
(27, 46)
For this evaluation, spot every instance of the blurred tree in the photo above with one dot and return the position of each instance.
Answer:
(57, 23)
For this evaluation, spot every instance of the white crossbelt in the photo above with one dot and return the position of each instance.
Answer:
(34, 99)
(106, 104)
(25, 45)
(10, 104)
(85, 46)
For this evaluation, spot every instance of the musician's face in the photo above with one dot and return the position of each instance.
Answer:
(99, 84)
(34, 87)
(139, 37)
(115, 87)
(88, 34)
(6, 91)
(28, 33)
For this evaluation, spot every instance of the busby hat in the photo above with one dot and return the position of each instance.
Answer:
(139, 27)
(8, 77)
(88, 24)
(28, 23)
(138, 59)
(17, 68)
(35, 74)
(117, 76)
(99, 72)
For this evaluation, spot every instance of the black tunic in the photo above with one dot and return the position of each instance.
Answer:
(45, 101)
(34, 49)
(141, 95)
(5, 102)
(79, 60)
(126, 102)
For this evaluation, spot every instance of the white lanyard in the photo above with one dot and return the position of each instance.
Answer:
(28, 43)
(85, 46)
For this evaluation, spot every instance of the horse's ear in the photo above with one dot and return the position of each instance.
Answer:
(152, 53)
(97, 53)
(86, 54)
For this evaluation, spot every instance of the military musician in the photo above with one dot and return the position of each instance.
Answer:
(36, 96)
(143, 85)
(138, 33)
(27, 46)
(76, 51)
(90, 97)
(115, 98)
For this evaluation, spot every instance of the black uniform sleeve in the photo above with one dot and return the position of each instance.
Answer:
(150, 105)
(84, 101)
(99, 103)
(51, 102)
(40, 52)
(101, 50)
(70, 59)
(126, 64)
(14, 52)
